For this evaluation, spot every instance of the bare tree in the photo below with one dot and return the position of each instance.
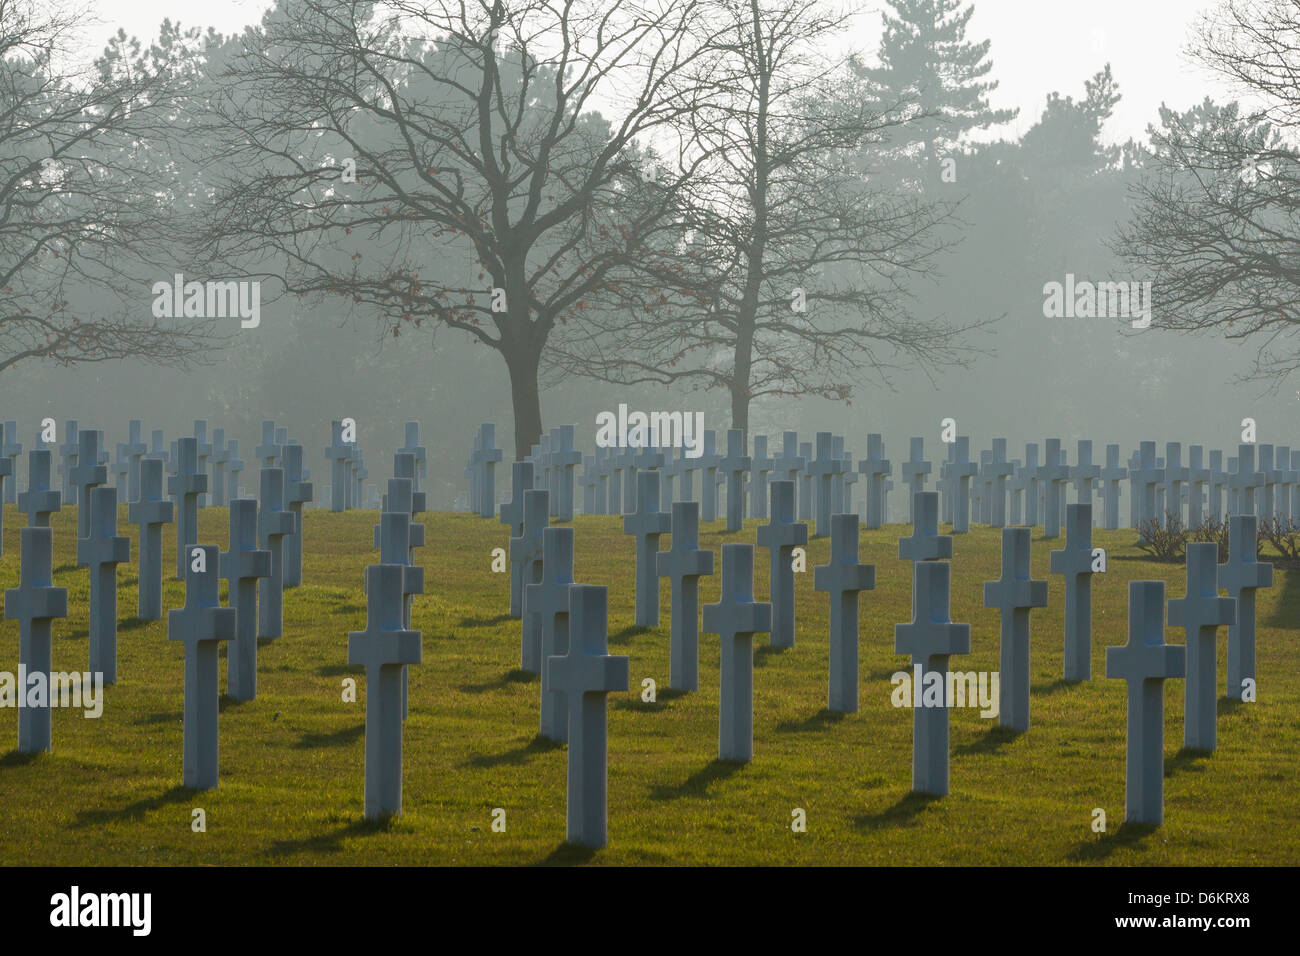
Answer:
(77, 205)
(445, 162)
(788, 274)
(1216, 216)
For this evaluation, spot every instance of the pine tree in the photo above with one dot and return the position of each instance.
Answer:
(926, 62)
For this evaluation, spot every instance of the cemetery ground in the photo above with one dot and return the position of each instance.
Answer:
(291, 761)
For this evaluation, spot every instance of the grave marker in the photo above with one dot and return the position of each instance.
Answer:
(1074, 562)
(781, 535)
(1240, 577)
(646, 524)
(1015, 594)
(736, 618)
(843, 578)
(102, 550)
(549, 600)
(242, 566)
(185, 487)
(1200, 614)
(35, 603)
(683, 564)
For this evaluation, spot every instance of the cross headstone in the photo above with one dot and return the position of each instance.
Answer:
(512, 515)
(824, 468)
(385, 648)
(204, 448)
(235, 466)
(337, 454)
(646, 524)
(806, 482)
(584, 675)
(39, 501)
(485, 459)
(914, 471)
(683, 564)
(1200, 614)
(563, 460)
(666, 475)
(86, 474)
(268, 452)
(1198, 478)
(981, 505)
(684, 469)
(1084, 473)
(1018, 485)
(10, 449)
(877, 468)
(1147, 476)
(242, 566)
(411, 445)
(102, 550)
(960, 473)
(930, 639)
(925, 542)
(1218, 481)
(70, 452)
(735, 466)
(219, 458)
(1052, 474)
(847, 478)
(781, 535)
(1268, 481)
(35, 603)
(640, 460)
(185, 487)
(1245, 480)
(1240, 576)
(527, 551)
(760, 464)
(200, 624)
(1175, 478)
(590, 480)
(150, 512)
(1145, 663)
(1074, 561)
(121, 470)
(1014, 594)
(843, 578)
(736, 618)
(1284, 477)
(999, 471)
(708, 463)
(1031, 494)
(549, 600)
(614, 481)
(274, 524)
(1111, 476)
(297, 492)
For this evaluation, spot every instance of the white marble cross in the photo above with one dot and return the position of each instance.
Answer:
(1014, 594)
(736, 618)
(1200, 614)
(35, 603)
(1240, 577)
(683, 564)
(549, 600)
(843, 578)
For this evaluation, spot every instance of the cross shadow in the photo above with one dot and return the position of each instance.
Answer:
(516, 676)
(886, 673)
(697, 784)
(133, 623)
(819, 721)
(1187, 759)
(568, 854)
(79, 634)
(625, 635)
(901, 814)
(485, 621)
(1055, 686)
(338, 670)
(992, 742)
(164, 717)
(136, 810)
(348, 609)
(1128, 835)
(332, 842)
(64, 567)
(519, 755)
(1228, 706)
(335, 738)
(225, 701)
(16, 758)
(762, 654)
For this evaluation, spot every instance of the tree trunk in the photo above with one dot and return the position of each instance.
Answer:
(522, 360)
(740, 406)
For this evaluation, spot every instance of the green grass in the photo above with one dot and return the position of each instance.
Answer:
(291, 762)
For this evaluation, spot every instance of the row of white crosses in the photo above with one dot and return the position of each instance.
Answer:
(542, 559)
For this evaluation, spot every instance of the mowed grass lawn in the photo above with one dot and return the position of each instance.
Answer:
(291, 762)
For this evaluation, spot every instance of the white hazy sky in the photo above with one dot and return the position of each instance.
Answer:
(1038, 46)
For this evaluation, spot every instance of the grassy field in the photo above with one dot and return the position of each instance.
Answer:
(291, 762)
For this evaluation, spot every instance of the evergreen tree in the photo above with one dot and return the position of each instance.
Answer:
(926, 62)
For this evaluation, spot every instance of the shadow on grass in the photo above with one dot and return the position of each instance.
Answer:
(819, 721)
(64, 567)
(519, 755)
(331, 842)
(348, 609)
(887, 673)
(337, 738)
(568, 854)
(764, 654)
(133, 623)
(1055, 686)
(516, 676)
(1230, 705)
(225, 701)
(665, 696)
(697, 784)
(338, 670)
(164, 717)
(79, 634)
(1187, 759)
(992, 742)
(625, 635)
(1128, 835)
(16, 758)
(901, 814)
(485, 621)
(136, 810)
